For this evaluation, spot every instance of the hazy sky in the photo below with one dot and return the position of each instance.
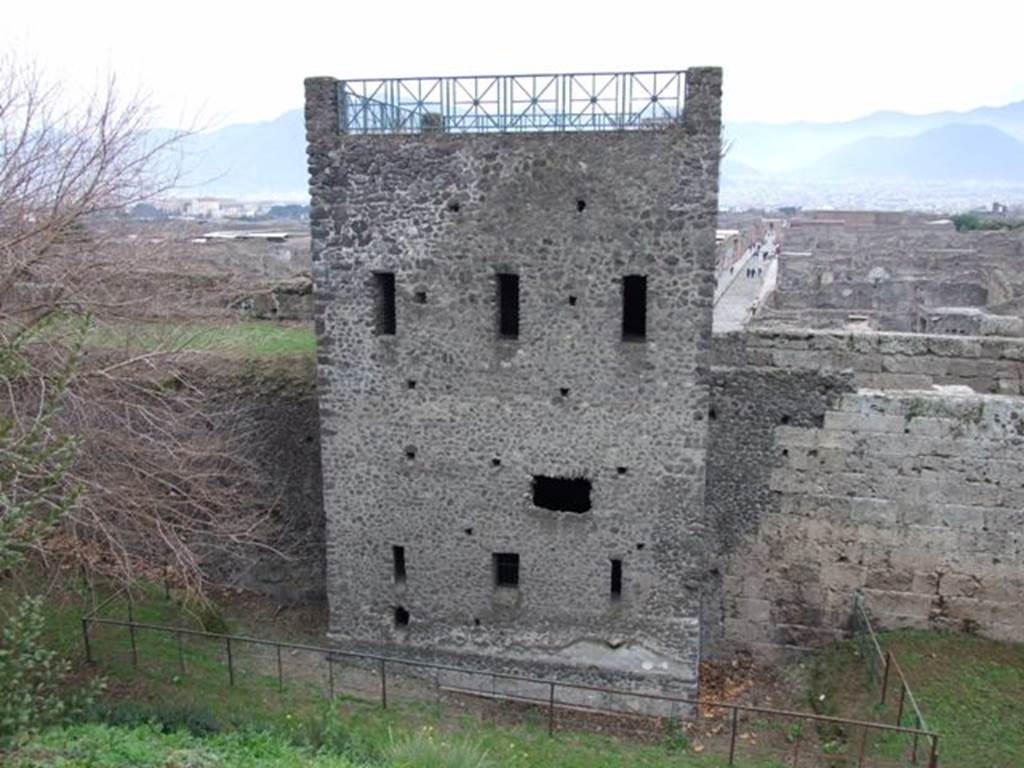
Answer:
(783, 61)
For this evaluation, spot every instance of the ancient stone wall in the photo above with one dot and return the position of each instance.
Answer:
(436, 423)
(883, 360)
(275, 407)
(819, 489)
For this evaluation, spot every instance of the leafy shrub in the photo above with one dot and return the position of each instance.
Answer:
(33, 678)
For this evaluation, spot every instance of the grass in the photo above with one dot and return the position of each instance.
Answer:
(970, 691)
(250, 338)
(157, 713)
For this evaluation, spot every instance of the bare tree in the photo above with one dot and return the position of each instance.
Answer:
(151, 462)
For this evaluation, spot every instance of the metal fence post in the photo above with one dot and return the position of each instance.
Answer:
(85, 641)
(885, 675)
(330, 677)
(231, 662)
(280, 673)
(732, 737)
(917, 724)
(551, 709)
(383, 685)
(933, 759)
(899, 709)
(863, 744)
(131, 632)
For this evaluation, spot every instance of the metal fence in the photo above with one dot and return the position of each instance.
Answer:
(559, 705)
(600, 101)
(887, 674)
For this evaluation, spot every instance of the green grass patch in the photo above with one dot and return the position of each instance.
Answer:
(970, 690)
(251, 338)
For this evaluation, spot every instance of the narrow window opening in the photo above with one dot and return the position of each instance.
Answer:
(581, 205)
(401, 617)
(784, 420)
(572, 301)
(476, 622)
(712, 414)
(634, 307)
(640, 546)
(420, 297)
(495, 462)
(384, 285)
(468, 531)
(506, 569)
(561, 494)
(563, 391)
(622, 470)
(410, 453)
(398, 559)
(411, 383)
(508, 306)
(616, 579)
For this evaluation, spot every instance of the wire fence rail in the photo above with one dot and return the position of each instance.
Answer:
(559, 705)
(886, 673)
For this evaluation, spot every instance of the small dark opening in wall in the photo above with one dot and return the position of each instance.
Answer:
(410, 383)
(309, 438)
(572, 301)
(410, 453)
(468, 531)
(495, 462)
(384, 286)
(563, 391)
(454, 206)
(398, 560)
(785, 451)
(640, 546)
(420, 297)
(561, 494)
(712, 414)
(508, 305)
(616, 579)
(581, 205)
(401, 617)
(634, 307)
(506, 569)
(476, 622)
(622, 470)
(784, 419)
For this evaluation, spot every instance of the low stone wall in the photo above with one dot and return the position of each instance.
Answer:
(883, 360)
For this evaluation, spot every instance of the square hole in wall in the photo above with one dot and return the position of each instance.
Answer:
(401, 617)
(420, 297)
(506, 569)
(561, 494)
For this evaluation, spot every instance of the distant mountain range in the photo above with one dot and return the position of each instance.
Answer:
(268, 160)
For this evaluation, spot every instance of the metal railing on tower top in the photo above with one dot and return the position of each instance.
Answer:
(599, 101)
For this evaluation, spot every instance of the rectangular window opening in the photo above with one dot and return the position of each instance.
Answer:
(561, 494)
(634, 307)
(508, 306)
(506, 569)
(616, 579)
(384, 286)
(398, 558)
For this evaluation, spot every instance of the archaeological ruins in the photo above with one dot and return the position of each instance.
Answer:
(537, 456)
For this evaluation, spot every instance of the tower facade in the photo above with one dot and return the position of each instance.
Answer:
(513, 308)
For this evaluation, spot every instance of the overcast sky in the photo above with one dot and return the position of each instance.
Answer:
(783, 60)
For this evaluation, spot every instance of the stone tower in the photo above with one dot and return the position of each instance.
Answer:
(513, 308)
